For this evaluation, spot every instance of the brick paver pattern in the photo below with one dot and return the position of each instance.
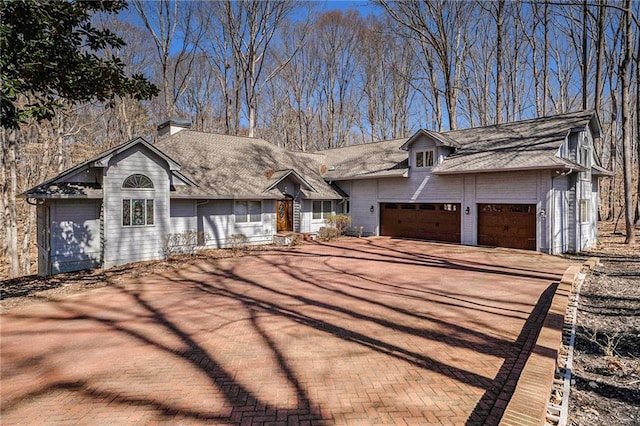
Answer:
(366, 331)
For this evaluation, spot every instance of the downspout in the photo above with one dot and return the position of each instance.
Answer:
(102, 232)
(551, 215)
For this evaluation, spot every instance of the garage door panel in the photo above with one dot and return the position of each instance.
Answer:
(507, 225)
(439, 222)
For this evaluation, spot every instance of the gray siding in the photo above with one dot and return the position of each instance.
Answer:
(426, 143)
(508, 187)
(125, 244)
(216, 219)
(75, 235)
(469, 190)
(421, 186)
(543, 222)
(595, 209)
(297, 216)
(561, 224)
(364, 194)
(183, 216)
(580, 188)
(469, 222)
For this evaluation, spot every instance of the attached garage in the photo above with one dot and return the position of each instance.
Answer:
(507, 225)
(438, 222)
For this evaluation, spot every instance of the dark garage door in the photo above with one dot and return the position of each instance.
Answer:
(438, 222)
(507, 225)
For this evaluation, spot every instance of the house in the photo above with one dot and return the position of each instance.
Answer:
(530, 184)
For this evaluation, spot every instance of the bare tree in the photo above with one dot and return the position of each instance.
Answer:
(600, 51)
(439, 26)
(636, 61)
(626, 77)
(251, 27)
(336, 45)
(9, 187)
(387, 68)
(497, 12)
(293, 97)
(171, 26)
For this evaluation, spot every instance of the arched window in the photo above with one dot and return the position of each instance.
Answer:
(138, 211)
(137, 181)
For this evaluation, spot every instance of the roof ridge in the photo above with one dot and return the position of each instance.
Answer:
(510, 123)
(254, 138)
(363, 143)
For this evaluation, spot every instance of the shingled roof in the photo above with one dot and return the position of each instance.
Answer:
(366, 161)
(240, 167)
(519, 145)
(223, 167)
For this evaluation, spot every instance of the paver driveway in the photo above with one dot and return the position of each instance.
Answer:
(365, 331)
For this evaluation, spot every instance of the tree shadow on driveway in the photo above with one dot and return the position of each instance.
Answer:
(274, 338)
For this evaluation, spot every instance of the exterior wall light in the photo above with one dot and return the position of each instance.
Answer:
(467, 210)
(371, 209)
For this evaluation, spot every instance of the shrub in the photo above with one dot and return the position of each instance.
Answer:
(237, 243)
(295, 240)
(328, 233)
(339, 221)
(181, 243)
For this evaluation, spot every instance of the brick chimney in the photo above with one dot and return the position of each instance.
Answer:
(172, 126)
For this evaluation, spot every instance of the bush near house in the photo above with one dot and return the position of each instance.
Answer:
(339, 221)
(328, 233)
(181, 243)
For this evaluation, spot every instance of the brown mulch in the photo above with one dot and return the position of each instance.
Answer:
(22, 291)
(605, 386)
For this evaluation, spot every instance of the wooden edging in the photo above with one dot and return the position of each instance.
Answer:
(528, 405)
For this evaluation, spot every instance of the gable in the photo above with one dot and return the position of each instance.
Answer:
(86, 179)
(138, 159)
(286, 179)
(423, 146)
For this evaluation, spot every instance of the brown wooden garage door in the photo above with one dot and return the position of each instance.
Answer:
(507, 225)
(439, 222)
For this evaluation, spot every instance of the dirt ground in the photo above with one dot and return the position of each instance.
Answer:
(606, 366)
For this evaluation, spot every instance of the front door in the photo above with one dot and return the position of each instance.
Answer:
(284, 215)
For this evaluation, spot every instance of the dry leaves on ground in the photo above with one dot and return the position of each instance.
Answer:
(606, 366)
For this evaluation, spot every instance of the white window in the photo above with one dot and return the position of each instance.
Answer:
(585, 217)
(424, 158)
(137, 212)
(321, 209)
(248, 211)
(585, 161)
(137, 181)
